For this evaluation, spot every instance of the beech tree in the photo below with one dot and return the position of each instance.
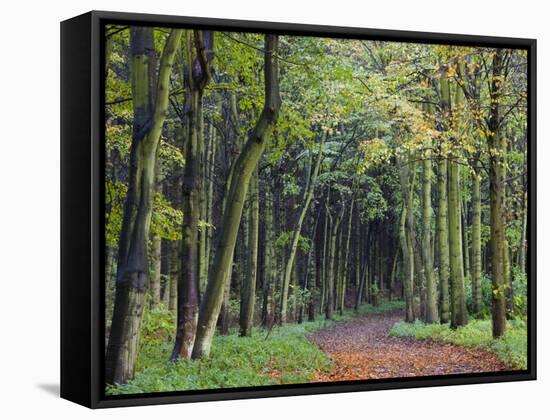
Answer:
(150, 101)
(244, 167)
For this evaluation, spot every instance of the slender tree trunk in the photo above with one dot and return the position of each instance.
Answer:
(175, 262)
(244, 166)
(325, 259)
(249, 289)
(465, 236)
(459, 316)
(156, 243)
(156, 251)
(523, 241)
(332, 274)
(431, 293)
(269, 258)
(408, 268)
(223, 319)
(346, 258)
(496, 188)
(392, 275)
(476, 244)
(406, 230)
(306, 199)
(210, 198)
(188, 285)
(337, 270)
(510, 306)
(132, 270)
(202, 258)
(443, 214)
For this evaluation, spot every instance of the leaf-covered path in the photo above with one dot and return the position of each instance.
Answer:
(362, 349)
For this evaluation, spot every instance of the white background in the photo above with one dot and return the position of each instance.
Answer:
(29, 209)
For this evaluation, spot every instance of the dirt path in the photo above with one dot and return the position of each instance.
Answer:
(361, 349)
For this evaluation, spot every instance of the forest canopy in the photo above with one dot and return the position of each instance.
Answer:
(260, 189)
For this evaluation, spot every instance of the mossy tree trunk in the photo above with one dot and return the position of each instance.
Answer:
(150, 101)
(197, 76)
(244, 167)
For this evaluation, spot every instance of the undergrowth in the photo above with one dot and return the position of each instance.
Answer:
(282, 355)
(511, 348)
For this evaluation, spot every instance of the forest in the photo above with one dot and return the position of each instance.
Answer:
(291, 209)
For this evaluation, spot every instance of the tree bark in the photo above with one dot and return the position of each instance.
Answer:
(406, 229)
(132, 270)
(269, 258)
(332, 273)
(346, 258)
(198, 75)
(443, 214)
(248, 290)
(459, 316)
(496, 188)
(431, 295)
(476, 244)
(156, 243)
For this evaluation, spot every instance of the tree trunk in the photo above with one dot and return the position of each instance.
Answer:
(476, 244)
(431, 293)
(156, 251)
(325, 259)
(156, 243)
(392, 275)
(175, 262)
(522, 253)
(510, 306)
(346, 258)
(496, 188)
(306, 199)
(465, 238)
(443, 213)
(248, 290)
(188, 285)
(269, 258)
(210, 198)
(132, 270)
(459, 316)
(244, 166)
(332, 261)
(406, 229)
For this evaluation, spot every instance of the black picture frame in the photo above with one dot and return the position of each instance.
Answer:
(82, 216)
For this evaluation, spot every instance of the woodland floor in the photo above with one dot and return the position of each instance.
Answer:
(362, 349)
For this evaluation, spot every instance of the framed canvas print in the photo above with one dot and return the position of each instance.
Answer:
(255, 209)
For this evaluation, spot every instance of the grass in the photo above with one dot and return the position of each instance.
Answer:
(284, 356)
(511, 348)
